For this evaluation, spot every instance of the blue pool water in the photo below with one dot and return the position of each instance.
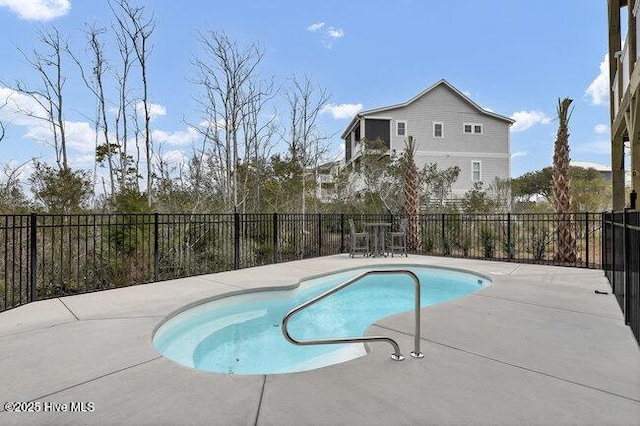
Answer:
(241, 334)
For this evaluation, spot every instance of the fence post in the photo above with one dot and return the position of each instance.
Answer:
(511, 253)
(156, 251)
(603, 240)
(236, 240)
(341, 232)
(613, 253)
(275, 238)
(33, 249)
(586, 239)
(442, 235)
(319, 234)
(625, 267)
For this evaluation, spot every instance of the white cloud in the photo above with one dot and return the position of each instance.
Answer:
(527, 119)
(488, 109)
(174, 157)
(598, 90)
(466, 93)
(155, 110)
(601, 129)
(18, 108)
(329, 34)
(80, 135)
(315, 27)
(341, 111)
(335, 32)
(179, 137)
(83, 161)
(519, 154)
(23, 110)
(38, 10)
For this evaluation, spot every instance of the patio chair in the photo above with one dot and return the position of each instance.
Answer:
(359, 241)
(398, 240)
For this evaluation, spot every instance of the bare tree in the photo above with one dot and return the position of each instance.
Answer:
(227, 73)
(124, 103)
(138, 27)
(258, 139)
(48, 95)
(94, 80)
(306, 142)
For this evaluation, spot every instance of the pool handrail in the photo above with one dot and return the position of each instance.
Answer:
(396, 355)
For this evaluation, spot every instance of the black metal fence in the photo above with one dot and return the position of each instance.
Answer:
(524, 238)
(622, 263)
(45, 256)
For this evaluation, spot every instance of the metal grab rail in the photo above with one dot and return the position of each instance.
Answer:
(396, 355)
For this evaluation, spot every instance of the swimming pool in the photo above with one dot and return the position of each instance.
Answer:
(241, 334)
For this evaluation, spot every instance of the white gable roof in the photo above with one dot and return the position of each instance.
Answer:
(589, 165)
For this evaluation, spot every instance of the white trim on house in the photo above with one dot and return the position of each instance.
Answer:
(379, 117)
(435, 123)
(398, 128)
(473, 171)
(472, 128)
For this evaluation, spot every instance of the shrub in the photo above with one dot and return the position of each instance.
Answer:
(488, 242)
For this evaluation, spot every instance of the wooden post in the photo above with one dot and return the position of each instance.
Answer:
(617, 172)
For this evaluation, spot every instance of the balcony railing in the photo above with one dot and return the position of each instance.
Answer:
(624, 69)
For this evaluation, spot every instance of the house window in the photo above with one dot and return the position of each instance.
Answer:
(401, 128)
(472, 128)
(438, 130)
(476, 171)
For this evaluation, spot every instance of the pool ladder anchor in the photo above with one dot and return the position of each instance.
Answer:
(396, 355)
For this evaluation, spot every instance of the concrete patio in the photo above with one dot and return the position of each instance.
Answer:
(536, 347)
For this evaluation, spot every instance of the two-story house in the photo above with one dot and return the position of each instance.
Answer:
(624, 79)
(449, 129)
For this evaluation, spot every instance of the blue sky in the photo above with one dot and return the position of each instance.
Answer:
(513, 57)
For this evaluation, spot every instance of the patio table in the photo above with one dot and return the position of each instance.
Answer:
(378, 230)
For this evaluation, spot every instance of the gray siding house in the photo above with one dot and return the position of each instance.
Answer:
(449, 129)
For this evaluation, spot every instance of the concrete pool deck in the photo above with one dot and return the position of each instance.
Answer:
(536, 347)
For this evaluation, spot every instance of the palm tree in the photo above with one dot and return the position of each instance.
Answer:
(412, 197)
(566, 251)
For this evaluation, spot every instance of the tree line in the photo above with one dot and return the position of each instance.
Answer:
(246, 157)
(233, 164)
